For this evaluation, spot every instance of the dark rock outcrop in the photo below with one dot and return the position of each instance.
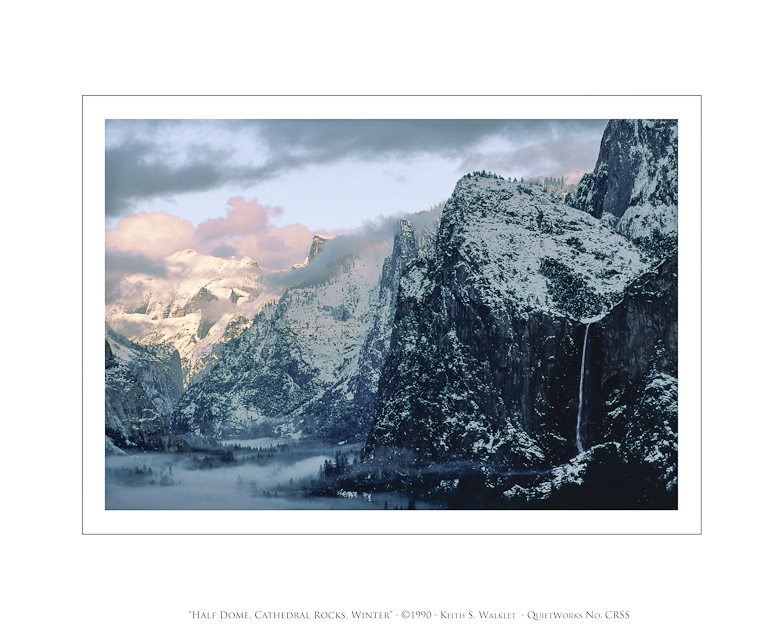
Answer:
(315, 248)
(634, 183)
(637, 338)
(631, 386)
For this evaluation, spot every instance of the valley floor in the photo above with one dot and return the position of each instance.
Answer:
(265, 473)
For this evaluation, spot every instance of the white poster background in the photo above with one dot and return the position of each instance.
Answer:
(54, 576)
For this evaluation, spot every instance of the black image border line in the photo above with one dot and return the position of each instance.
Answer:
(701, 292)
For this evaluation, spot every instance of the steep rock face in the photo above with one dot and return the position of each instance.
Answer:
(630, 426)
(637, 338)
(315, 248)
(131, 418)
(484, 363)
(157, 369)
(634, 183)
(347, 409)
(631, 387)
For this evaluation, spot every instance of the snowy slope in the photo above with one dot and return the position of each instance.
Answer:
(292, 353)
(517, 248)
(201, 302)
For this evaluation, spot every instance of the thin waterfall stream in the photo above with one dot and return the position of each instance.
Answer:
(579, 446)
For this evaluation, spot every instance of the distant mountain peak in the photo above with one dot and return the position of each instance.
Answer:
(200, 302)
(315, 248)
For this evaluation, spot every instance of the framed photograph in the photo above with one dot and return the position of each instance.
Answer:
(392, 315)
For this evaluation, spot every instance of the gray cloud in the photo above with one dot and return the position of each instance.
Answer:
(140, 170)
(224, 250)
(120, 263)
(382, 229)
(127, 262)
(333, 139)
(149, 159)
(557, 155)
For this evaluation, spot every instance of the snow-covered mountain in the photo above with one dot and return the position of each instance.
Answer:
(634, 184)
(536, 344)
(201, 302)
(485, 351)
(310, 363)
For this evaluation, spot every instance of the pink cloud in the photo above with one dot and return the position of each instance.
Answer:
(275, 248)
(574, 176)
(244, 231)
(245, 217)
(155, 234)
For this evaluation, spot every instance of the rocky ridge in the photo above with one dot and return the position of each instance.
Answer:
(634, 184)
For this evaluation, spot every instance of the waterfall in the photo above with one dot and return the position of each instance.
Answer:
(580, 448)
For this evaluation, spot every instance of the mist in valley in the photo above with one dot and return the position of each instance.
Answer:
(260, 473)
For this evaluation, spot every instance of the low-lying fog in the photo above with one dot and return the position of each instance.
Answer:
(264, 473)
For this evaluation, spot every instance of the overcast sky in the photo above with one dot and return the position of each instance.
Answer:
(262, 187)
